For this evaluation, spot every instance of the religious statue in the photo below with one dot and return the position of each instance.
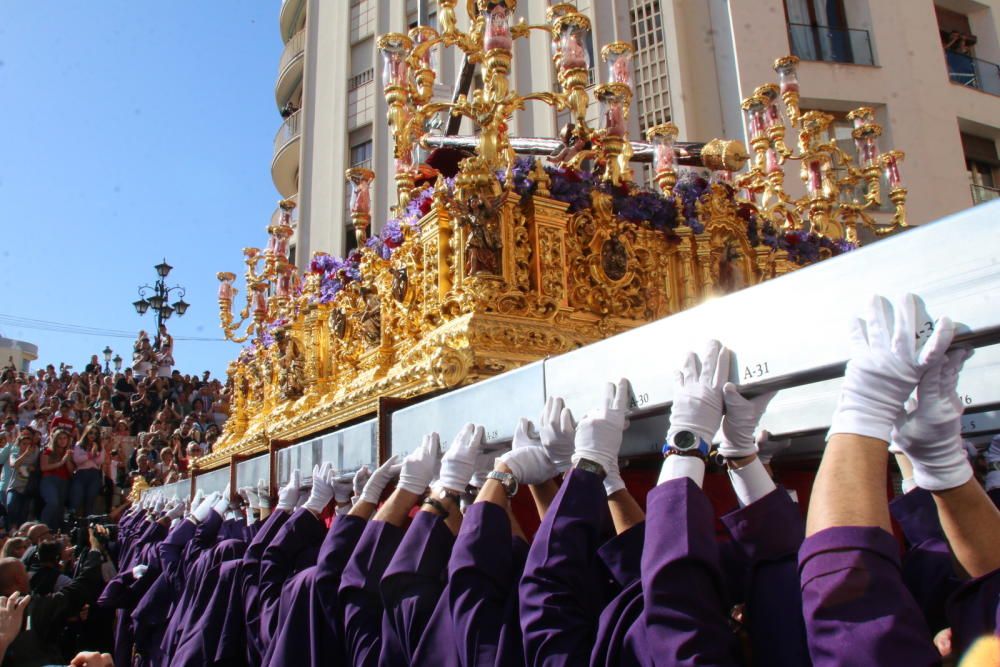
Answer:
(400, 284)
(291, 380)
(573, 144)
(361, 201)
(482, 242)
(371, 317)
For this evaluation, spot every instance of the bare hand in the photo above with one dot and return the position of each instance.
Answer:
(11, 616)
(92, 659)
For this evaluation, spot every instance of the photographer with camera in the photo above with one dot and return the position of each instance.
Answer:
(46, 616)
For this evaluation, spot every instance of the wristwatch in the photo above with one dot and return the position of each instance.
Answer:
(507, 481)
(993, 467)
(686, 443)
(436, 497)
(591, 466)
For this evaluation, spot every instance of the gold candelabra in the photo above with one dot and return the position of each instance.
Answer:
(271, 282)
(840, 190)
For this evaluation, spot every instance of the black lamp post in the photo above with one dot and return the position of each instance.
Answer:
(107, 351)
(156, 296)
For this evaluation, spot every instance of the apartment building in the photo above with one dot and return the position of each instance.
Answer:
(928, 67)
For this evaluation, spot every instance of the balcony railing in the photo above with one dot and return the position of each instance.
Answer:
(984, 193)
(288, 131)
(293, 49)
(834, 45)
(973, 72)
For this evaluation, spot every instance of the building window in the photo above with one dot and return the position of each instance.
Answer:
(983, 167)
(361, 155)
(291, 254)
(959, 42)
(650, 79)
(362, 19)
(818, 30)
(360, 102)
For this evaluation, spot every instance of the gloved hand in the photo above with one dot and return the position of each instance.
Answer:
(204, 508)
(485, 461)
(175, 511)
(343, 487)
(528, 460)
(886, 364)
(598, 436)
(698, 400)
(139, 570)
(557, 431)
(288, 495)
(222, 504)
(375, 486)
(264, 494)
(421, 465)
(361, 478)
(459, 461)
(251, 497)
(159, 504)
(931, 434)
(323, 480)
(740, 421)
(767, 446)
(199, 496)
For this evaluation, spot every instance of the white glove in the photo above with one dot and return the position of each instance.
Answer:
(528, 460)
(698, 398)
(322, 492)
(459, 461)
(159, 504)
(199, 496)
(557, 431)
(598, 436)
(886, 364)
(343, 488)
(613, 481)
(288, 495)
(264, 494)
(204, 508)
(741, 420)
(484, 464)
(931, 435)
(375, 486)
(361, 478)
(139, 570)
(992, 456)
(767, 446)
(175, 511)
(421, 465)
(251, 497)
(222, 504)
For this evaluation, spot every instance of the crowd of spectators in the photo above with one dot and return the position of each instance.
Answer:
(77, 440)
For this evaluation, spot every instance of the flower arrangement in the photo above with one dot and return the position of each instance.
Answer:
(335, 273)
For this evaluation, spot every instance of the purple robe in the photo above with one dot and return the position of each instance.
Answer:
(974, 610)
(856, 607)
(685, 613)
(240, 632)
(486, 564)
(411, 592)
(621, 634)
(769, 532)
(310, 600)
(282, 557)
(561, 591)
(361, 600)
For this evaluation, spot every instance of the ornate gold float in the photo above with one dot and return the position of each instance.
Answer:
(512, 258)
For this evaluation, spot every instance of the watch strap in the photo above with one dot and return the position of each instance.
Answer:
(591, 466)
(437, 505)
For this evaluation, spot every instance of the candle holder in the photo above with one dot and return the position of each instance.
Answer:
(361, 204)
(788, 85)
(663, 137)
(574, 63)
(618, 56)
(614, 98)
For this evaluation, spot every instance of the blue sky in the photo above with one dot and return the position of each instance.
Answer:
(131, 131)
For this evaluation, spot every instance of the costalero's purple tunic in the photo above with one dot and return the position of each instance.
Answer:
(361, 600)
(856, 607)
(310, 600)
(485, 567)
(769, 532)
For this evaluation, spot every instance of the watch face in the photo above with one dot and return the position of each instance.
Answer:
(684, 440)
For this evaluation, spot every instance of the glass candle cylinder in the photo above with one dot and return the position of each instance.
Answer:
(618, 56)
(421, 35)
(281, 246)
(868, 149)
(890, 166)
(862, 116)
(788, 77)
(771, 162)
(284, 287)
(753, 108)
(394, 47)
(360, 180)
(226, 285)
(573, 31)
(612, 98)
(497, 34)
(663, 137)
(259, 301)
(814, 176)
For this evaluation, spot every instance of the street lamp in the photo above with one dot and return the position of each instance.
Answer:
(118, 362)
(107, 359)
(157, 297)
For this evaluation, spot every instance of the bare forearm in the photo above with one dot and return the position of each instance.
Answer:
(543, 495)
(971, 522)
(850, 486)
(397, 508)
(625, 511)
